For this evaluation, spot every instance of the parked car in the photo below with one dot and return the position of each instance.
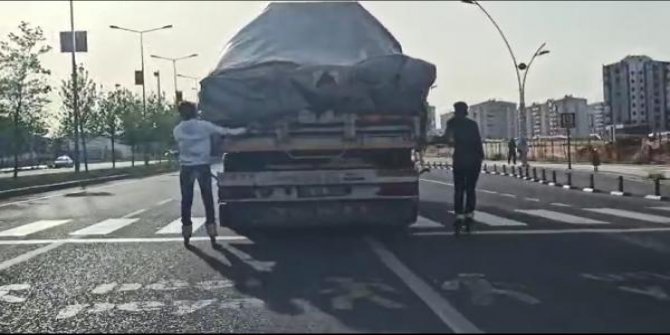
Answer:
(63, 161)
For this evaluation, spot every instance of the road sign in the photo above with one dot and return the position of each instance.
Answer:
(81, 42)
(567, 120)
(139, 78)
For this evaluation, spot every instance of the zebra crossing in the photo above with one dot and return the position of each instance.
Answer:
(549, 217)
(519, 218)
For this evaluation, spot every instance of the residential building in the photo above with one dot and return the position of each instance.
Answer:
(636, 91)
(496, 119)
(598, 117)
(444, 118)
(544, 119)
(431, 118)
(569, 104)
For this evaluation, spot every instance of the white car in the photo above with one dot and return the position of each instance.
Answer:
(63, 161)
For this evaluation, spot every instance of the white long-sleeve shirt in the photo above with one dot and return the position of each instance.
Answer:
(194, 140)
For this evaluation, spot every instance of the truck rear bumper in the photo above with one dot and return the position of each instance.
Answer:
(372, 212)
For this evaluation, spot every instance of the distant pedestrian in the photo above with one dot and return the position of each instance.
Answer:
(511, 151)
(595, 158)
(193, 137)
(463, 134)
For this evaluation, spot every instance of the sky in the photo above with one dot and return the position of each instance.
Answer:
(473, 64)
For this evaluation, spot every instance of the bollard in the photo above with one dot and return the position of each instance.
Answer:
(534, 173)
(657, 186)
(621, 184)
(485, 168)
(495, 168)
(544, 174)
(569, 175)
(592, 182)
(553, 177)
(505, 169)
(527, 171)
(514, 170)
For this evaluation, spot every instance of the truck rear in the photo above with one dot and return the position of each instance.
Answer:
(334, 110)
(322, 170)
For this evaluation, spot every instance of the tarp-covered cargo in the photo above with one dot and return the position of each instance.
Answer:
(314, 56)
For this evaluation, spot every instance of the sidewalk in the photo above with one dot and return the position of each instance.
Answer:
(626, 170)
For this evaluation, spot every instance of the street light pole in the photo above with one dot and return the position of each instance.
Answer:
(144, 93)
(75, 95)
(174, 69)
(522, 130)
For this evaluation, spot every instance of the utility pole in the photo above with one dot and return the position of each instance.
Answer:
(75, 92)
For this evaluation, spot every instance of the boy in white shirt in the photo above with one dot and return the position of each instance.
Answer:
(193, 137)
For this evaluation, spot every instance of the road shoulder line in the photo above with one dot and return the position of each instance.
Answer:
(440, 306)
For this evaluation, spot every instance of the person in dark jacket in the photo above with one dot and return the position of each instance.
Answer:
(511, 151)
(463, 134)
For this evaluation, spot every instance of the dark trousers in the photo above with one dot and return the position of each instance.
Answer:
(465, 182)
(187, 178)
(511, 156)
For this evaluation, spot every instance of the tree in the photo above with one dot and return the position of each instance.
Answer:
(87, 100)
(161, 120)
(25, 87)
(111, 111)
(131, 121)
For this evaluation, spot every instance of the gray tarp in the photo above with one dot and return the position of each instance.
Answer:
(317, 56)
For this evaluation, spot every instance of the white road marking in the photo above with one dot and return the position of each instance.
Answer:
(494, 220)
(242, 303)
(433, 299)
(437, 182)
(630, 215)
(135, 213)
(558, 216)
(168, 285)
(661, 208)
(210, 285)
(617, 193)
(588, 189)
(507, 195)
(6, 289)
(422, 222)
(101, 307)
(130, 287)
(554, 231)
(186, 306)
(558, 204)
(489, 192)
(31, 228)
(104, 288)
(141, 306)
(104, 227)
(653, 291)
(175, 226)
(533, 199)
(163, 202)
(119, 240)
(30, 254)
(70, 311)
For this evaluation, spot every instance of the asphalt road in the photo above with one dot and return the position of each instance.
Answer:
(541, 259)
(7, 173)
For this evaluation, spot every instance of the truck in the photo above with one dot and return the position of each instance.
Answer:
(334, 129)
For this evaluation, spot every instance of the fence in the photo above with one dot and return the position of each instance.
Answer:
(626, 150)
